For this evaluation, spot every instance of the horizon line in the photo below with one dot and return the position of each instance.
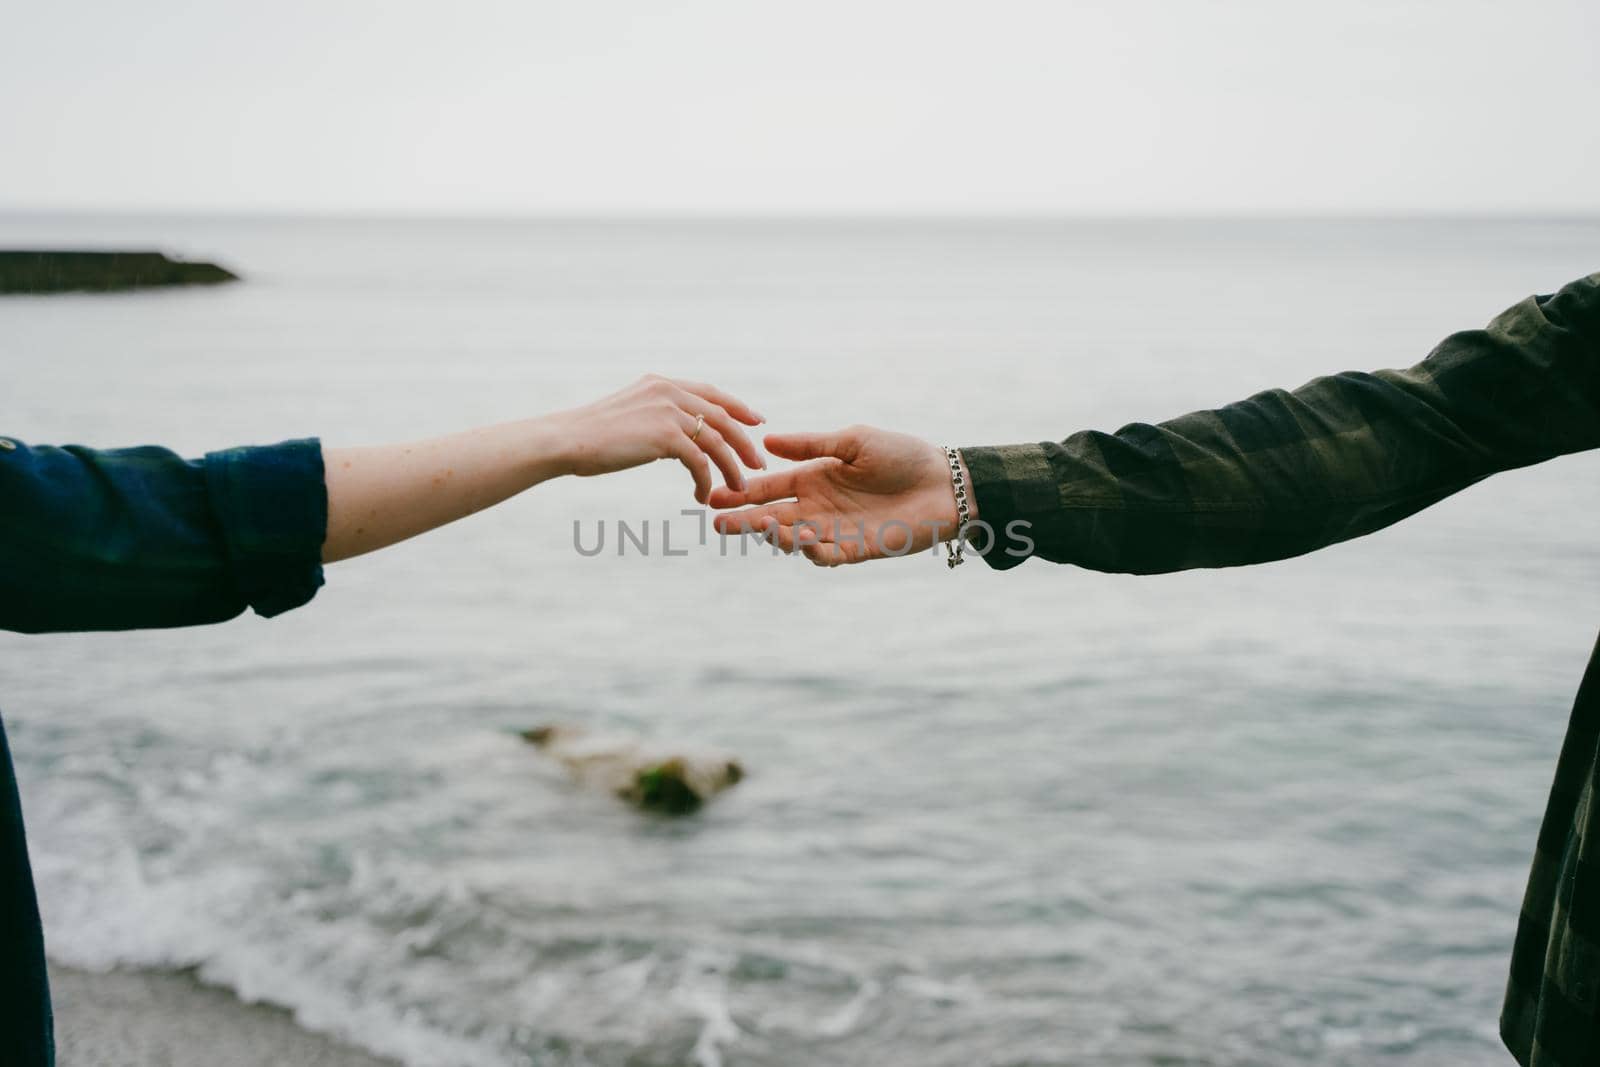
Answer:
(657, 217)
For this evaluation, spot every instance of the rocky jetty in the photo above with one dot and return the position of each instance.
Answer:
(25, 271)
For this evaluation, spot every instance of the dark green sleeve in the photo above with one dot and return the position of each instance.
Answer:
(1284, 473)
(139, 537)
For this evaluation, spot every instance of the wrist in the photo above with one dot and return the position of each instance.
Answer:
(549, 447)
(949, 485)
(933, 506)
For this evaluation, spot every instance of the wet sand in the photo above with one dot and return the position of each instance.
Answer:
(152, 1019)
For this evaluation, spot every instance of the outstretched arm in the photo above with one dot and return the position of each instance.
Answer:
(387, 493)
(1277, 475)
(135, 538)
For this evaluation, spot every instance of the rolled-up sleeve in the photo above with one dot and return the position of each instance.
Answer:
(133, 538)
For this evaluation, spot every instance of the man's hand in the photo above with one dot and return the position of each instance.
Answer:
(864, 494)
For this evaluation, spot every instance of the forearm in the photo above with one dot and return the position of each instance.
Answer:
(121, 539)
(379, 495)
(1284, 473)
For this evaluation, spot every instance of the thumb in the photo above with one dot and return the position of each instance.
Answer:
(839, 444)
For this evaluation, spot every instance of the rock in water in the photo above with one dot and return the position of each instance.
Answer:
(65, 272)
(652, 778)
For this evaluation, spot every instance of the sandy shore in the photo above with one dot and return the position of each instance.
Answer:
(142, 1019)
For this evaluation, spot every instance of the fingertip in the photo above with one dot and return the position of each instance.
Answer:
(785, 446)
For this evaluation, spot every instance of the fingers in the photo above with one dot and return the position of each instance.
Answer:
(828, 554)
(840, 444)
(754, 520)
(824, 547)
(704, 436)
(782, 526)
(723, 421)
(706, 417)
(727, 401)
(763, 489)
(690, 455)
(788, 536)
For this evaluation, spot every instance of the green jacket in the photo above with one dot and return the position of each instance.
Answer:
(1285, 473)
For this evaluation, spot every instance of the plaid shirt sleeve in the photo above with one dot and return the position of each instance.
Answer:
(1284, 473)
(139, 537)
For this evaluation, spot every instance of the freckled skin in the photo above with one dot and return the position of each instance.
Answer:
(399, 491)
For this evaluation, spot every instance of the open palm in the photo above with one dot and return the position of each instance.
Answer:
(861, 494)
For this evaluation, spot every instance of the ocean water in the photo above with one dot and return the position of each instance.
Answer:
(1048, 817)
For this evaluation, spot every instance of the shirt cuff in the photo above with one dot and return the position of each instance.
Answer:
(1013, 486)
(271, 502)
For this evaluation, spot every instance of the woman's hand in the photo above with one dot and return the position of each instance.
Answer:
(388, 493)
(656, 418)
(866, 494)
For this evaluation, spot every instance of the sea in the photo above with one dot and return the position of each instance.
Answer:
(1261, 816)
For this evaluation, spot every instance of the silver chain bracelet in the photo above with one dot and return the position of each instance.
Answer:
(958, 481)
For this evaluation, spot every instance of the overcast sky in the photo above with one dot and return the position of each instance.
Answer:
(751, 106)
